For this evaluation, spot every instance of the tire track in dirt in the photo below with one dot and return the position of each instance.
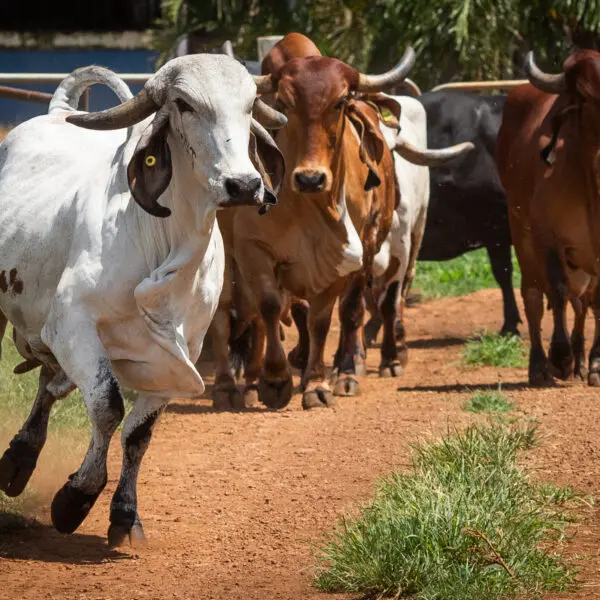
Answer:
(232, 503)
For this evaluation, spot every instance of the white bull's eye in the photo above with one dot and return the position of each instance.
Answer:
(183, 106)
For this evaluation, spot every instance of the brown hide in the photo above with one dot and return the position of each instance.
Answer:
(548, 159)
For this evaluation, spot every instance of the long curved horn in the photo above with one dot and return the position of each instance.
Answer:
(269, 117)
(227, 48)
(430, 158)
(552, 84)
(264, 84)
(124, 115)
(378, 83)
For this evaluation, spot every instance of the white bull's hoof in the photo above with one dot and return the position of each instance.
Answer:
(71, 506)
(16, 467)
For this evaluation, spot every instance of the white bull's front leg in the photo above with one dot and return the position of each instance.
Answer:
(71, 335)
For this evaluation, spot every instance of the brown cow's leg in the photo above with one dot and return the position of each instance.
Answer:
(594, 364)
(561, 354)
(298, 357)
(533, 298)
(253, 368)
(580, 306)
(350, 357)
(316, 389)
(225, 393)
(390, 365)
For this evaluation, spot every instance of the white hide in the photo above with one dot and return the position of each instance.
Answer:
(101, 277)
(409, 221)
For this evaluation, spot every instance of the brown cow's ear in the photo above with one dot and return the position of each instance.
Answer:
(269, 161)
(372, 143)
(388, 107)
(149, 171)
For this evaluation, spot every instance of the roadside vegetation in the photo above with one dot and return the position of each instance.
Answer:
(463, 275)
(491, 402)
(495, 350)
(467, 523)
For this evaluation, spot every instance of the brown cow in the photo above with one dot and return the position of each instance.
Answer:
(549, 162)
(335, 210)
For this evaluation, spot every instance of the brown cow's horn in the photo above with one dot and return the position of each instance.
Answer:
(124, 115)
(264, 84)
(430, 158)
(269, 117)
(552, 84)
(227, 48)
(378, 83)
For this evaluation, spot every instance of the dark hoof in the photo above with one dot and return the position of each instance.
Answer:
(371, 330)
(275, 394)
(250, 396)
(70, 507)
(561, 360)
(541, 378)
(227, 398)
(594, 379)
(510, 330)
(296, 359)
(393, 369)
(16, 467)
(580, 372)
(346, 385)
(125, 528)
(318, 398)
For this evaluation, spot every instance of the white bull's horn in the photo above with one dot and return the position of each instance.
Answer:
(269, 117)
(430, 158)
(124, 115)
(264, 84)
(227, 48)
(552, 84)
(378, 83)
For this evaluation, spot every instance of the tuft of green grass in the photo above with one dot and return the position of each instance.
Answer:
(488, 402)
(466, 523)
(463, 275)
(495, 350)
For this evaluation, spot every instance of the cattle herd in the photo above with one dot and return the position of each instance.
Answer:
(224, 200)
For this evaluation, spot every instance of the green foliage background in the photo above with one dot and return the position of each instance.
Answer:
(455, 39)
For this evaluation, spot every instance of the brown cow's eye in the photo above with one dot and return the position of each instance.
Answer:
(183, 106)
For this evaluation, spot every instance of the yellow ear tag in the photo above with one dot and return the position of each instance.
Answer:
(150, 160)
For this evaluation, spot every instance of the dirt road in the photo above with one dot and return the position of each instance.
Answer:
(231, 503)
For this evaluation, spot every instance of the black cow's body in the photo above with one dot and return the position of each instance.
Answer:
(467, 206)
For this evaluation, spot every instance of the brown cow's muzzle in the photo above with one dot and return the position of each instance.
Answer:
(311, 180)
(242, 192)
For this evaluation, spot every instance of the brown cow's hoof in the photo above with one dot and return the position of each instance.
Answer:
(16, 467)
(580, 372)
(275, 394)
(250, 396)
(125, 529)
(594, 379)
(394, 369)
(227, 398)
(541, 379)
(318, 398)
(346, 385)
(296, 360)
(71, 506)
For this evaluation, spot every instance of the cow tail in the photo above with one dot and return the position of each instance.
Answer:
(69, 90)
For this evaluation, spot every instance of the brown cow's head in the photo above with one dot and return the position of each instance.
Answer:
(317, 94)
(580, 84)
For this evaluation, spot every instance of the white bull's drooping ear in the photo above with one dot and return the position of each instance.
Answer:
(149, 171)
(269, 161)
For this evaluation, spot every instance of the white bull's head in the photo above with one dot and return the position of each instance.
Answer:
(204, 106)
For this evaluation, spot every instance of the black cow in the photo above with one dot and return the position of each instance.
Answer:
(467, 206)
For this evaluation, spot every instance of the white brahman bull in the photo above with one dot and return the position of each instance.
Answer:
(395, 264)
(102, 293)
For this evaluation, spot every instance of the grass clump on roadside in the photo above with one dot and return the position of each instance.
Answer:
(466, 523)
(463, 275)
(488, 402)
(495, 350)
